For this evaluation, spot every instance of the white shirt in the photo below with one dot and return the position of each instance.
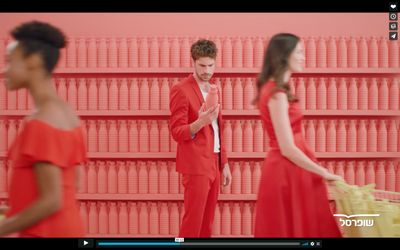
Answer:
(215, 127)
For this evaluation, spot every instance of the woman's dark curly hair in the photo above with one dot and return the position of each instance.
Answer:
(41, 38)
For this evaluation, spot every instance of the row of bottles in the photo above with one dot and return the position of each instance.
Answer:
(233, 52)
(234, 218)
(245, 136)
(131, 177)
(160, 218)
(322, 135)
(109, 135)
(5, 175)
(100, 94)
(352, 135)
(14, 100)
(141, 177)
(131, 218)
(153, 52)
(160, 178)
(9, 129)
(384, 173)
(351, 52)
(110, 94)
(346, 93)
(245, 177)
(144, 136)
(147, 177)
(129, 136)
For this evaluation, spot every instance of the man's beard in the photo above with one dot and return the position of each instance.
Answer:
(205, 77)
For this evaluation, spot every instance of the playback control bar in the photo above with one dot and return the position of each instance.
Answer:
(187, 243)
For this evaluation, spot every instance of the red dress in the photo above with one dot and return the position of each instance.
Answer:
(292, 202)
(40, 142)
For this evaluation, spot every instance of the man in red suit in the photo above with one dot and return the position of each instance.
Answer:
(201, 155)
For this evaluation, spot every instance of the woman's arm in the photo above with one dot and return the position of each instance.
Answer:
(278, 107)
(49, 201)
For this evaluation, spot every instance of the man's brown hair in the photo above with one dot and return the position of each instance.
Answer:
(203, 48)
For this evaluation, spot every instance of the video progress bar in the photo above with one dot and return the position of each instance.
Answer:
(127, 243)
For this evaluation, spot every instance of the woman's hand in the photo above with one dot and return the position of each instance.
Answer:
(3, 211)
(332, 177)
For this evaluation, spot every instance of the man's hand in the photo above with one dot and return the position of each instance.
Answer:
(207, 116)
(226, 175)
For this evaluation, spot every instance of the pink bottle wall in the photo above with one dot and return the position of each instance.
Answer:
(117, 72)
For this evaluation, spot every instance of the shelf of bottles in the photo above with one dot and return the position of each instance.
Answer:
(236, 54)
(325, 96)
(349, 91)
(329, 138)
(160, 218)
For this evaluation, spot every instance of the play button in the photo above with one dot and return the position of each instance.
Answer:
(86, 243)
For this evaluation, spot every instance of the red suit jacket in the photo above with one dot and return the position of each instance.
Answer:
(194, 155)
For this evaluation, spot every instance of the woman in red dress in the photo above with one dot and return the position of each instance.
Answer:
(292, 199)
(50, 145)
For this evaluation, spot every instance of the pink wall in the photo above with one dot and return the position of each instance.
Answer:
(198, 24)
(349, 96)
